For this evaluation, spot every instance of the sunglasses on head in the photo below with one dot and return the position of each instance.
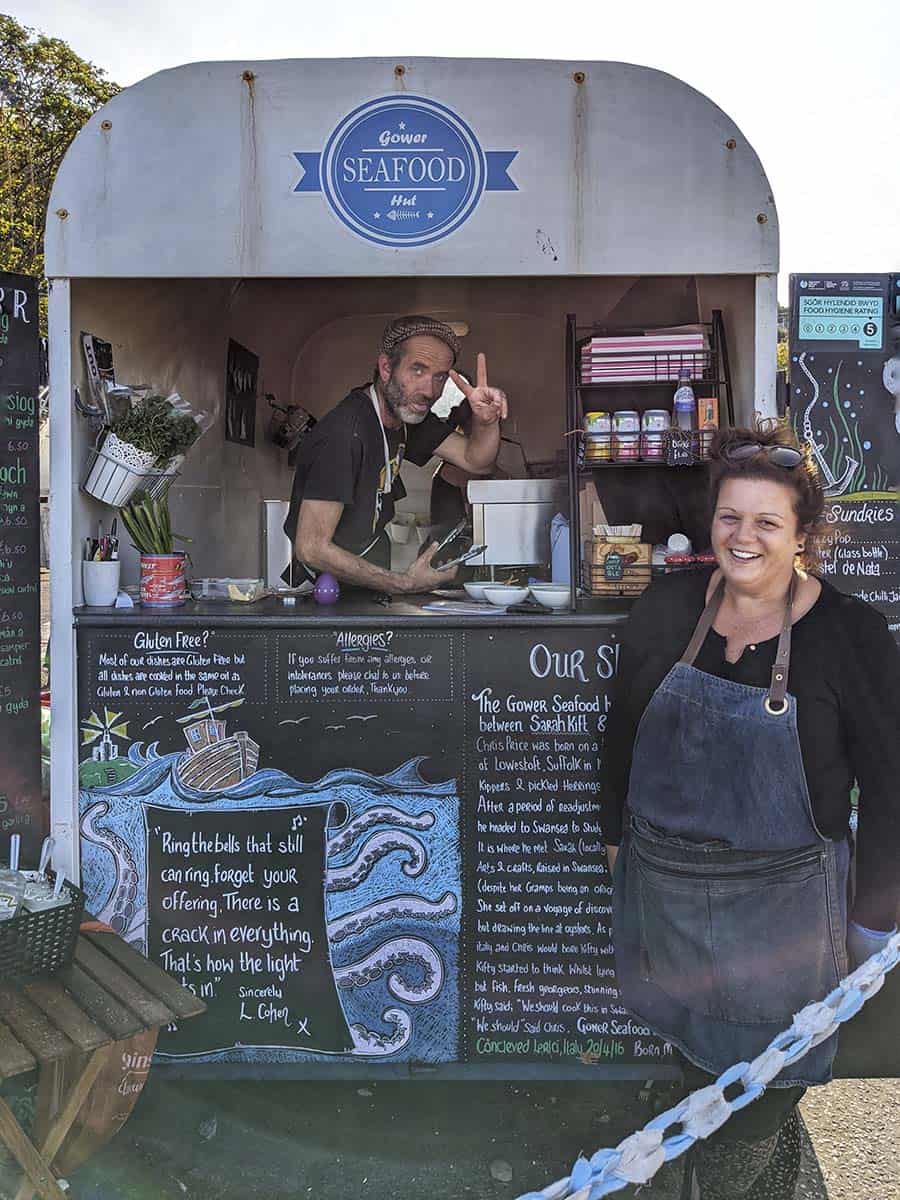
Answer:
(778, 456)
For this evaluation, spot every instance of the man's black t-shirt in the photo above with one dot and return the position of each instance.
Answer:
(342, 459)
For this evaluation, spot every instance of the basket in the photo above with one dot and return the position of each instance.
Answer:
(41, 943)
(113, 480)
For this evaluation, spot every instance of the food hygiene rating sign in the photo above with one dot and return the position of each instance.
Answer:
(404, 171)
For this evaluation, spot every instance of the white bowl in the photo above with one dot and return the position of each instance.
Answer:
(505, 594)
(551, 595)
(475, 591)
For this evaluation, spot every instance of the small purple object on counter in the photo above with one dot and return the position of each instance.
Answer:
(327, 589)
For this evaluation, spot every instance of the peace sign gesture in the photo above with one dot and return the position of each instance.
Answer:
(488, 404)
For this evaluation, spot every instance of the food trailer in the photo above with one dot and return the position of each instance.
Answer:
(366, 835)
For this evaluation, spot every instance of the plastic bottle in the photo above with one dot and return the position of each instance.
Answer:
(685, 403)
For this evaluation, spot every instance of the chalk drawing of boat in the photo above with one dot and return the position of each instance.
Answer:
(214, 760)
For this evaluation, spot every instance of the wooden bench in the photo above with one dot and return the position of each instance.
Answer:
(66, 1027)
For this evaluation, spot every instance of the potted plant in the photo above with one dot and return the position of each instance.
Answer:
(147, 434)
(162, 566)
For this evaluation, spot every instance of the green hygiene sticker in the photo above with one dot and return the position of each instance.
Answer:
(857, 319)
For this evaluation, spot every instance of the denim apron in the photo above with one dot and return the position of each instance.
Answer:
(730, 907)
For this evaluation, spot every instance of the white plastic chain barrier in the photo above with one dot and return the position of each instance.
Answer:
(637, 1159)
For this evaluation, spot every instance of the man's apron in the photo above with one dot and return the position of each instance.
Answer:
(730, 907)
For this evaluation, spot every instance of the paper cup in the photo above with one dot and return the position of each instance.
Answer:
(100, 581)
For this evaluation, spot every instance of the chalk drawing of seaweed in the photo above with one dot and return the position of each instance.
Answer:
(839, 452)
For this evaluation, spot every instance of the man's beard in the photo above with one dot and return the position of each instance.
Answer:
(400, 405)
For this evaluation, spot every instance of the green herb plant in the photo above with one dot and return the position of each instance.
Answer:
(154, 425)
(148, 524)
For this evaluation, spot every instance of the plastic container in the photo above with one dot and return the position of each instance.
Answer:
(685, 404)
(227, 588)
(559, 550)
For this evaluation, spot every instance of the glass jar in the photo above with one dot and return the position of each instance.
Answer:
(626, 421)
(626, 447)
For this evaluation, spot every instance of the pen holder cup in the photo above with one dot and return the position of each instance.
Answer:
(101, 583)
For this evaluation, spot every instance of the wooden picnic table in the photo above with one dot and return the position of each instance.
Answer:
(66, 1027)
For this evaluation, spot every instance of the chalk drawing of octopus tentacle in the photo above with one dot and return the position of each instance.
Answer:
(370, 1041)
(122, 910)
(387, 957)
(832, 485)
(374, 848)
(379, 814)
(394, 908)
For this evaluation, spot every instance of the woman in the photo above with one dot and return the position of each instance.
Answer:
(750, 697)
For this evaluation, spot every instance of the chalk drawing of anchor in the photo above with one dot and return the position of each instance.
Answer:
(833, 486)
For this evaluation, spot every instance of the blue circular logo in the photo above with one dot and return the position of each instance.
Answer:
(403, 171)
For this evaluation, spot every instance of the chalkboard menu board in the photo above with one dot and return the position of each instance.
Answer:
(360, 845)
(20, 739)
(845, 402)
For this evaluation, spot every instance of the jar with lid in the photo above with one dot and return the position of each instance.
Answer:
(626, 447)
(598, 437)
(626, 421)
(654, 425)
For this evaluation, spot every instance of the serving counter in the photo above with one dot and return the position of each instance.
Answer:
(361, 834)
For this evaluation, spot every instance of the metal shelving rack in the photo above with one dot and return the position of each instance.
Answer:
(716, 374)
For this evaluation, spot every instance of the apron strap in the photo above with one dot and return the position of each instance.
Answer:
(776, 699)
(704, 625)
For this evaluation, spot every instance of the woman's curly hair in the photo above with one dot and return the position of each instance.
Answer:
(803, 480)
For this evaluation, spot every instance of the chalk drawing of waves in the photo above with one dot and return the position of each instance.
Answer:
(393, 891)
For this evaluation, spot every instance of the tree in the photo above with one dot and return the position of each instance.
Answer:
(46, 94)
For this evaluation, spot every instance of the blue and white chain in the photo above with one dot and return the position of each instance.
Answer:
(637, 1159)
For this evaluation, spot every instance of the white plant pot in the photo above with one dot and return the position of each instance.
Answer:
(140, 461)
(118, 471)
(111, 482)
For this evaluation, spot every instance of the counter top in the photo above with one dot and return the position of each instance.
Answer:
(350, 611)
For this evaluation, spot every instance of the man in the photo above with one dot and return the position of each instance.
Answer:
(347, 476)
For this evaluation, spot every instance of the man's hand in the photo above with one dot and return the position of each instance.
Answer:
(421, 576)
(488, 404)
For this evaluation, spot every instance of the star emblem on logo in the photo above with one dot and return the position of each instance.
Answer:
(402, 125)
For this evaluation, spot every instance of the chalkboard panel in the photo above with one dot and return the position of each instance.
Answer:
(844, 359)
(21, 810)
(540, 974)
(188, 731)
(238, 911)
(363, 845)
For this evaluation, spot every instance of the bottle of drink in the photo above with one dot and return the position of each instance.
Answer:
(685, 403)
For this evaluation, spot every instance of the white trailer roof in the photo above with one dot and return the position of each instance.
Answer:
(373, 167)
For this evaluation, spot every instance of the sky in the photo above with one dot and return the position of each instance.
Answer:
(814, 86)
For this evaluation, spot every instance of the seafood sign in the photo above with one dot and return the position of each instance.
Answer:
(403, 171)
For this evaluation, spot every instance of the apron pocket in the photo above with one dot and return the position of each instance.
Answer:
(748, 943)
(771, 938)
(676, 940)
